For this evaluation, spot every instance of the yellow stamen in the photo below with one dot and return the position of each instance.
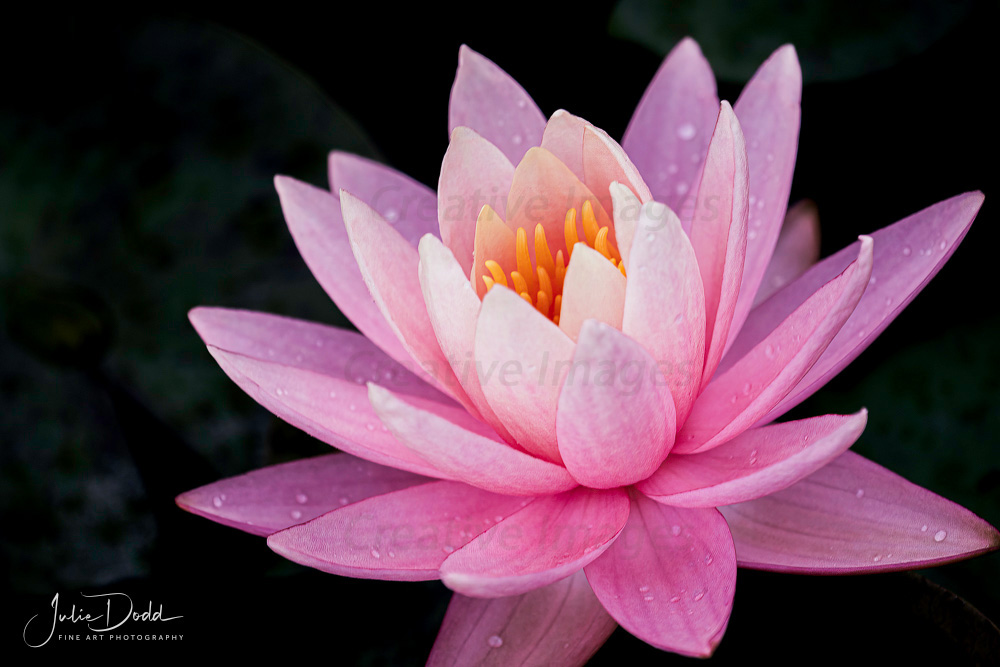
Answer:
(526, 297)
(497, 272)
(589, 223)
(524, 259)
(560, 271)
(544, 283)
(601, 244)
(543, 257)
(519, 284)
(489, 282)
(543, 303)
(621, 267)
(558, 304)
(569, 231)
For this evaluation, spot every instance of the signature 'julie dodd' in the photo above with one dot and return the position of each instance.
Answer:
(116, 609)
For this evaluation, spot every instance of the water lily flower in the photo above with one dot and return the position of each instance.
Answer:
(563, 402)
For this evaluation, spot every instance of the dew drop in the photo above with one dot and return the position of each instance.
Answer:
(391, 215)
(734, 398)
(877, 558)
(923, 528)
(676, 598)
(392, 554)
(760, 204)
(643, 589)
(751, 234)
(940, 535)
(319, 343)
(517, 139)
(708, 559)
(497, 518)
(375, 553)
(675, 531)
(769, 352)
(699, 596)
(648, 598)
(217, 501)
(888, 300)
(770, 157)
(521, 104)
(860, 493)
(352, 407)
(746, 388)
(270, 353)
(448, 548)
(671, 168)
(370, 426)
(942, 245)
(650, 237)
(495, 641)
(681, 188)
(686, 132)
(296, 515)
(301, 498)
(907, 251)
(343, 500)
(333, 394)
(279, 391)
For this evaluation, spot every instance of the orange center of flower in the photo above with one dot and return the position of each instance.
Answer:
(541, 283)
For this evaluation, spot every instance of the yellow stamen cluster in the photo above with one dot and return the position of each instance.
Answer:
(542, 285)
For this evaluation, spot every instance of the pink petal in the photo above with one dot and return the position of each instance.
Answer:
(560, 625)
(605, 162)
(665, 303)
(264, 501)
(474, 173)
(719, 232)
(769, 113)
(907, 255)
(522, 358)
(797, 250)
(332, 409)
(670, 130)
(670, 578)
(746, 391)
(593, 289)
(488, 100)
(400, 536)
(453, 308)
(854, 516)
(626, 207)
(465, 455)
(550, 539)
(410, 207)
(494, 241)
(563, 137)
(755, 463)
(389, 266)
(616, 417)
(314, 219)
(542, 191)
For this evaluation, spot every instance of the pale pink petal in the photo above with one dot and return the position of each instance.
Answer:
(626, 207)
(604, 163)
(314, 219)
(755, 463)
(746, 391)
(769, 113)
(854, 516)
(563, 137)
(670, 577)
(593, 289)
(400, 536)
(665, 303)
(389, 266)
(560, 625)
(522, 358)
(542, 191)
(332, 409)
(488, 100)
(797, 250)
(265, 501)
(463, 454)
(669, 133)
(550, 539)
(453, 307)
(410, 207)
(474, 173)
(616, 419)
(907, 255)
(719, 232)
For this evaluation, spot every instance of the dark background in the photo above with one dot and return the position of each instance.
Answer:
(136, 156)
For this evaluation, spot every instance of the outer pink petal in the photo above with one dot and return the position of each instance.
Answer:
(548, 540)
(746, 391)
(410, 207)
(389, 266)
(669, 133)
(755, 463)
(453, 308)
(488, 100)
(522, 358)
(400, 536)
(665, 303)
(719, 232)
(465, 455)
(593, 289)
(314, 219)
(855, 516)
(560, 625)
(616, 419)
(769, 114)
(563, 137)
(332, 409)
(626, 207)
(797, 250)
(474, 173)
(670, 578)
(270, 499)
(907, 255)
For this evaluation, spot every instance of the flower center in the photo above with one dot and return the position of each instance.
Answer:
(541, 283)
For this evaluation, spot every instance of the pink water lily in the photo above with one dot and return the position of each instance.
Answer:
(563, 402)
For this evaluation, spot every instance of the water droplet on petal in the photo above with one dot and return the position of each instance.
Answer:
(370, 426)
(676, 598)
(391, 215)
(648, 598)
(860, 493)
(448, 548)
(296, 515)
(746, 388)
(643, 589)
(352, 407)
(671, 168)
(708, 559)
(907, 250)
(681, 188)
(333, 394)
(495, 641)
(675, 530)
(923, 528)
(686, 132)
(217, 501)
(877, 558)
(375, 553)
(301, 498)
(769, 352)
(343, 500)
(942, 245)
(516, 139)
(699, 596)
(940, 535)
(521, 104)
(279, 391)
